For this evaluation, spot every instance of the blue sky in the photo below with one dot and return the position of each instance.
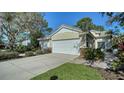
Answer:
(55, 19)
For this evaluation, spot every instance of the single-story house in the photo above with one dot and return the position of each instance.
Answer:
(69, 40)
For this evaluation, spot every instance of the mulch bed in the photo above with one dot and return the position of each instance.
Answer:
(111, 75)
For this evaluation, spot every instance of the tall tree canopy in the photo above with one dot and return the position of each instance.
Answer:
(86, 24)
(115, 17)
(14, 24)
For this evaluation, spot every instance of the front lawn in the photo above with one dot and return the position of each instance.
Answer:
(70, 71)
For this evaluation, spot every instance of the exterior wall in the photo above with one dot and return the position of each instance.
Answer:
(49, 43)
(26, 42)
(65, 34)
(85, 40)
(45, 44)
(107, 42)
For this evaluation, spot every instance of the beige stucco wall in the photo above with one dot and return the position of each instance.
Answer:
(106, 40)
(65, 34)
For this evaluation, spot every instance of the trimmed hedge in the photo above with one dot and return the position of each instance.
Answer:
(48, 50)
(29, 53)
(8, 55)
(38, 52)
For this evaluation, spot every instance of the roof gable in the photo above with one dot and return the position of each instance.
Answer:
(67, 27)
(65, 33)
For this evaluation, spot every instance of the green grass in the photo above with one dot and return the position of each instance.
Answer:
(71, 71)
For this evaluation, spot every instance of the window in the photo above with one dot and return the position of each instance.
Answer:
(101, 45)
(87, 44)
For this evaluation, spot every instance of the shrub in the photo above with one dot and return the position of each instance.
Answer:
(93, 54)
(54, 77)
(121, 46)
(118, 64)
(8, 55)
(21, 48)
(47, 50)
(38, 52)
(115, 65)
(121, 56)
(29, 53)
(28, 47)
(89, 54)
(98, 54)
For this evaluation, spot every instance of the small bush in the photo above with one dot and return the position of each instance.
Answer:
(48, 50)
(38, 52)
(89, 54)
(8, 55)
(116, 65)
(121, 46)
(93, 54)
(29, 53)
(98, 54)
(20, 48)
(54, 77)
(121, 56)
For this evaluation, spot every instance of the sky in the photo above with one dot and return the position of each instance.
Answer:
(56, 19)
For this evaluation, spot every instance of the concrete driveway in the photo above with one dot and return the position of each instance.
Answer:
(26, 68)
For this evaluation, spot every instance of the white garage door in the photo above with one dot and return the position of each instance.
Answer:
(66, 46)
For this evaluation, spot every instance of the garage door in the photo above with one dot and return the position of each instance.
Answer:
(66, 46)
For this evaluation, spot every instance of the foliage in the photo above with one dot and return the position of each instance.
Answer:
(21, 48)
(2, 46)
(71, 71)
(118, 64)
(117, 40)
(38, 52)
(47, 50)
(29, 53)
(1, 42)
(115, 17)
(121, 46)
(93, 54)
(115, 65)
(8, 55)
(99, 54)
(14, 24)
(89, 54)
(121, 56)
(86, 24)
(34, 36)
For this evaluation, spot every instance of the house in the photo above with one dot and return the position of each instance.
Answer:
(69, 40)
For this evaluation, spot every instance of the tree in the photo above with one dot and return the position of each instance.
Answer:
(34, 36)
(115, 17)
(86, 24)
(15, 24)
(1, 42)
(118, 18)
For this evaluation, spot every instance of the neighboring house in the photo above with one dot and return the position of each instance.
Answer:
(26, 42)
(69, 40)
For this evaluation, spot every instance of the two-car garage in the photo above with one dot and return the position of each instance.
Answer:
(66, 40)
(66, 46)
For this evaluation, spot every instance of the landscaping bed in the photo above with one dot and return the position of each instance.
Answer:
(8, 54)
(110, 75)
(70, 71)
